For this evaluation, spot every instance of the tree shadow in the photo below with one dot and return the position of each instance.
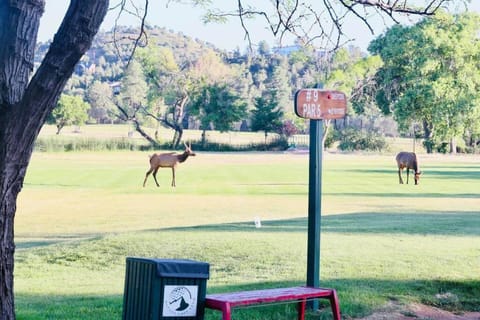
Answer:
(450, 172)
(68, 307)
(358, 298)
(423, 223)
(355, 295)
(407, 195)
(25, 242)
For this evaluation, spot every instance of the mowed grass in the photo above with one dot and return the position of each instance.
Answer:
(81, 214)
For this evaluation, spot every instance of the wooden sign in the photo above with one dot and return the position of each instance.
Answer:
(320, 104)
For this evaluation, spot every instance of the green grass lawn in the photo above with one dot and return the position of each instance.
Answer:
(81, 214)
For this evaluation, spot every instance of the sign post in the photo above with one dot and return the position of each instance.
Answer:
(316, 105)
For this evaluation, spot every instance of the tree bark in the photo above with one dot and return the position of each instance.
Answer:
(24, 104)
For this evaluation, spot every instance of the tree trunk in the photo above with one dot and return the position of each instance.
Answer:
(204, 138)
(177, 137)
(59, 128)
(7, 246)
(453, 145)
(145, 135)
(326, 127)
(428, 134)
(179, 113)
(25, 105)
(124, 116)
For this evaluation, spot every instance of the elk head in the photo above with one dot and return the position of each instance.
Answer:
(188, 149)
(417, 176)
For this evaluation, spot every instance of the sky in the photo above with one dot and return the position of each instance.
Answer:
(188, 20)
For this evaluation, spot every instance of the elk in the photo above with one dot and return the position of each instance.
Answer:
(409, 161)
(167, 160)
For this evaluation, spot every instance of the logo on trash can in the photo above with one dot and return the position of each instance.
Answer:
(180, 301)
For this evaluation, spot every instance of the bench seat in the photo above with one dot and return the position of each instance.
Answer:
(226, 301)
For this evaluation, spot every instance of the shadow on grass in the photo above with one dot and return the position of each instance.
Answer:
(407, 195)
(419, 223)
(462, 172)
(426, 223)
(72, 307)
(25, 242)
(356, 295)
(358, 298)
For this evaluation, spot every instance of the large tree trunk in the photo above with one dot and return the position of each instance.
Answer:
(25, 105)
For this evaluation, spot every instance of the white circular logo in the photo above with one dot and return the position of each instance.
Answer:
(180, 300)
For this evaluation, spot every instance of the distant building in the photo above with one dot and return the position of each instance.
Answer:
(287, 50)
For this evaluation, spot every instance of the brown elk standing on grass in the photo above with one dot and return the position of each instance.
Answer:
(167, 160)
(409, 161)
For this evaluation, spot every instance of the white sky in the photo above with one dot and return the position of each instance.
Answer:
(187, 19)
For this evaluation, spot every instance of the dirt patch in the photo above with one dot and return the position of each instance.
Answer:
(419, 312)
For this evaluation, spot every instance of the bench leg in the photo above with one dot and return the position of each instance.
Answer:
(226, 312)
(301, 309)
(335, 305)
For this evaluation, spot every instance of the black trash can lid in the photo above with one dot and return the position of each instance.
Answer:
(178, 268)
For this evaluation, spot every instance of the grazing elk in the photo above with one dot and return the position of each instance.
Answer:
(167, 160)
(409, 161)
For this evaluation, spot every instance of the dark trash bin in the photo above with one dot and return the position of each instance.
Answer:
(172, 289)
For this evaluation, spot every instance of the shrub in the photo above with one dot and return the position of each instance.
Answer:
(354, 140)
(60, 144)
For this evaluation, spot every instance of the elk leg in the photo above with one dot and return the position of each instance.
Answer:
(146, 176)
(173, 177)
(155, 176)
(408, 171)
(400, 176)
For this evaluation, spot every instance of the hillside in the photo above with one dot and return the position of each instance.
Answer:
(110, 49)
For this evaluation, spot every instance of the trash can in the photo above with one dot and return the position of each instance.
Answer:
(172, 289)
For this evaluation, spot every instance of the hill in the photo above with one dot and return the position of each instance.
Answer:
(111, 49)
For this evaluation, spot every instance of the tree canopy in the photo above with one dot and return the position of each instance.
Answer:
(431, 76)
(267, 114)
(70, 110)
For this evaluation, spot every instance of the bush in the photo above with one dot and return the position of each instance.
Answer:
(332, 136)
(61, 144)
(354, 140)
(278, 144)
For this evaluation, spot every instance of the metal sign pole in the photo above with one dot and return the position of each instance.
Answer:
(314, 206)
(317, 105)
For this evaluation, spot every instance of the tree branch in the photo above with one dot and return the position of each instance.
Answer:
(141, 14)
(311, 21)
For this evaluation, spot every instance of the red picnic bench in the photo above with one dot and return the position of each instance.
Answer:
(226, 301)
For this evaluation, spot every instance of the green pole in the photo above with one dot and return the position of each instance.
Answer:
(314, 206)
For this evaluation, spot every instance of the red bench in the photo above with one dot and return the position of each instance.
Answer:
(226, 301)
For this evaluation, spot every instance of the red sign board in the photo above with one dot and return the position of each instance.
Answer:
(320, 104)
